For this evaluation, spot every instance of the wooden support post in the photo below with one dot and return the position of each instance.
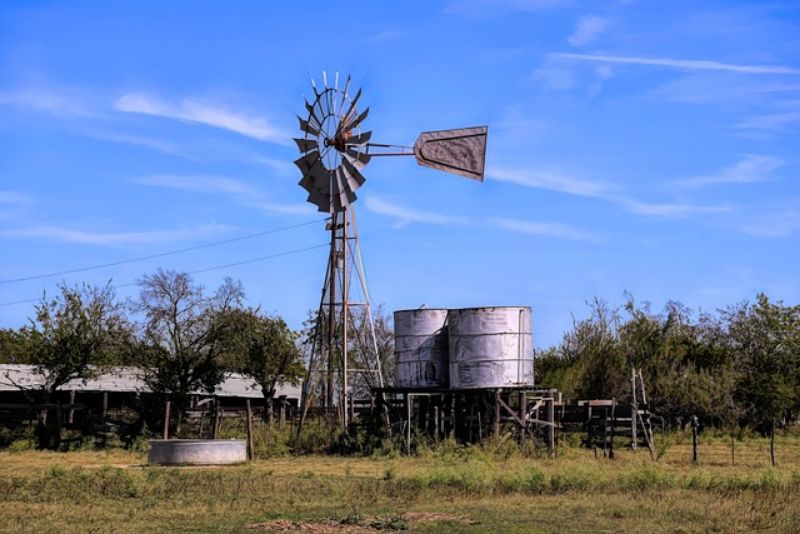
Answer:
(436, 424)
(634, 410)
(249, 426)
(352, 408)
(523, 415)
(105, 405)
(496, 418)
(458, 420)
(282, 419)
(166, 420)
(71, 413)
(408, 400)
(772, 443)
(695, 424)
(613, 419)
(215, 418)
(551, 427)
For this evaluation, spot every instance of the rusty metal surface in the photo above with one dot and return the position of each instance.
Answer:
(490, 347)
(460, 151)
(421, 347)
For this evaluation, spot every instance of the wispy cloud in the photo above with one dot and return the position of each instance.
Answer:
(545, 229)
(775, 225)
(683, 64)
(44, 100)
(563, 183)
(15, 198)
(548, 179)
(749, 169)
(405, 215)
(201, 112)
(775, 122)
(666, 209)
(86, 237)
(722, 88)
(588, 28)
(282, 209)
(244, 194)
(197, 184)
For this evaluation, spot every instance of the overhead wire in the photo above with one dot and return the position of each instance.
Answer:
(158, 255)
(205, 270)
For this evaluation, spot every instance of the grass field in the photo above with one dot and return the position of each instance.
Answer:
(476, 489)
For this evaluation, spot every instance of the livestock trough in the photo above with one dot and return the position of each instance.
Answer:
(196, 451)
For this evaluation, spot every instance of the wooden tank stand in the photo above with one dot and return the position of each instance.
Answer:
(470, 415)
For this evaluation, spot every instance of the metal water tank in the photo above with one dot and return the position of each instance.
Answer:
(490, 347)
(420, 347)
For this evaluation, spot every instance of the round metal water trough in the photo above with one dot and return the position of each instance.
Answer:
(196, 451)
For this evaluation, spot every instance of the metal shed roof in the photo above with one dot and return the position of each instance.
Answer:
(130, 380)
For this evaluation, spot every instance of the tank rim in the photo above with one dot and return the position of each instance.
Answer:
(422, 309)
(491, 307)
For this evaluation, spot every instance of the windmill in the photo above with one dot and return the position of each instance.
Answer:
(334, 150)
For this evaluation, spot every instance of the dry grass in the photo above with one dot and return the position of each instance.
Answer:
(478, 489)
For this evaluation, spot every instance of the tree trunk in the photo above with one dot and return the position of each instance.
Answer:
(268, 411)
(772, 443)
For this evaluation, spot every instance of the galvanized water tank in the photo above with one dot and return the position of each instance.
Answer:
(420, 347)
(490, 347)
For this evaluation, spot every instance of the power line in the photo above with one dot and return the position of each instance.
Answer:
(159, 255)
(207, 269)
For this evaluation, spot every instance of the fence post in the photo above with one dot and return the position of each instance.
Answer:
(250, 452)
(166, 420)
(695, 424)
(496, 419)
(551, 427)
(71, 413)
(215, 419)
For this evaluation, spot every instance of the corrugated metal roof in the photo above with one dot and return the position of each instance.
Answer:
(130, 380)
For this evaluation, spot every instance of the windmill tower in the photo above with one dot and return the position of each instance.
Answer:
(334, 150)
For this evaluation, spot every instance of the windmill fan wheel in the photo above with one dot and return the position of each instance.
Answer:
(332, 147)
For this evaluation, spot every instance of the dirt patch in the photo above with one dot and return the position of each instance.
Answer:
(432, 517)
(366, 526)
(319, 527)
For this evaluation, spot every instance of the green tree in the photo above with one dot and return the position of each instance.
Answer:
(71, 335)
(13, 348)
(183, 337)
(264, 348)
(765, 337)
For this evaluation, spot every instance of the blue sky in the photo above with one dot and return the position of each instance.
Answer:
(648, 147)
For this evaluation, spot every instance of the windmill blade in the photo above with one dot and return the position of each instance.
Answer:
(352, 173)
(360, 139)
(311, 112)
(357, 159)
(321, 200)
(343, 124)
(307, 127)
(460, 151)
(306, 144)
(349, 181)
(358, 120)
(308, 161)
(343, 195)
